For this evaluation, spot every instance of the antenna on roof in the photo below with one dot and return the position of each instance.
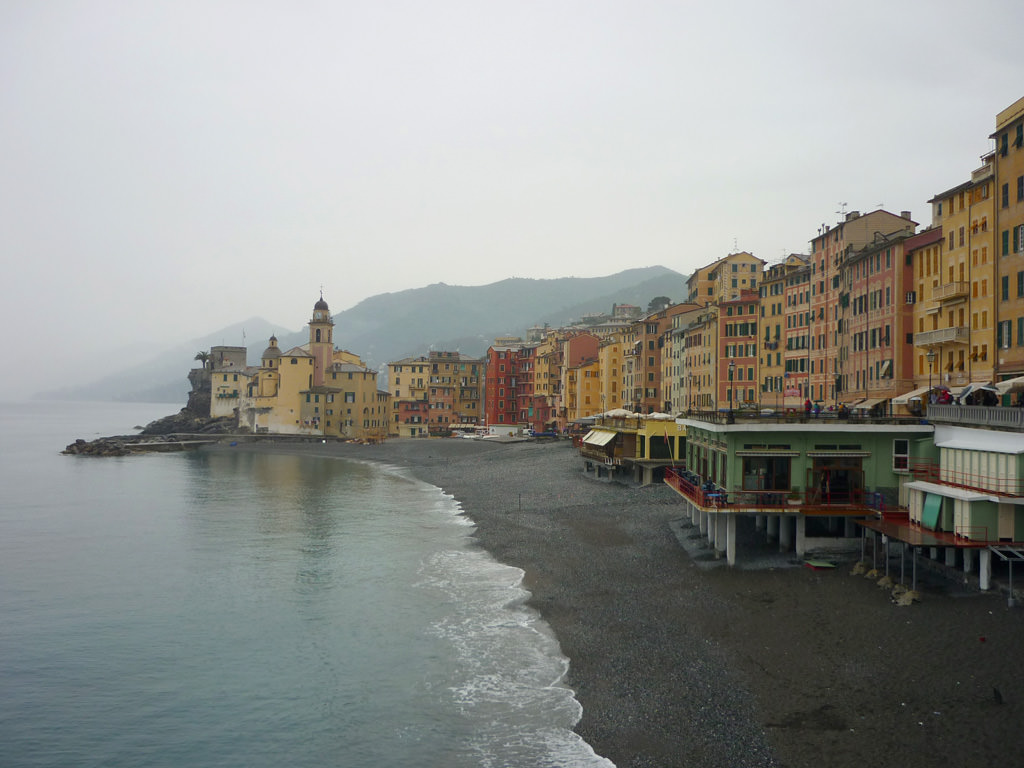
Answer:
(735, 245)
(842, 210)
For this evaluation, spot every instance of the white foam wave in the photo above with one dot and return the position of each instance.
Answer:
(509, 667)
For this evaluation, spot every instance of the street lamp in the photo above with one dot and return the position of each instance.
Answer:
(732, 390)
(931, 359)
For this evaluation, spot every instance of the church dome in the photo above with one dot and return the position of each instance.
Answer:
(272, 350)
(321, 304)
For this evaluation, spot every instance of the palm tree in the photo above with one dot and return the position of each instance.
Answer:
(202, 357)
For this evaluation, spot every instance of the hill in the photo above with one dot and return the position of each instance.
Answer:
(391, 326)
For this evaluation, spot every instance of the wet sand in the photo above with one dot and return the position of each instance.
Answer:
(678, 664)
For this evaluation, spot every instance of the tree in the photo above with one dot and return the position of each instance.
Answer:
(203, 357)
(658, 303)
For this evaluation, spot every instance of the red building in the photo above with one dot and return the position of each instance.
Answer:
(501, 406)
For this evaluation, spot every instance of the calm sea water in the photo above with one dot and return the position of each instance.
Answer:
(232, 609)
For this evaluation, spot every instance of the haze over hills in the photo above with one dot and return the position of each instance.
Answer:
(391, 326)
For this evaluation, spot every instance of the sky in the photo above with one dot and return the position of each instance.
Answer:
(171, 168)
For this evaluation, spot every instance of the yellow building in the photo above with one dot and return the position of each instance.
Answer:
(956, 285)
(314, 389)
(1008, 232)
(610, 365)
(772, 338)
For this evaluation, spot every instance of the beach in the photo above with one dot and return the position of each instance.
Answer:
(680, 664)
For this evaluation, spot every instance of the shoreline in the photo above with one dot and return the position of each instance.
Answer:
(675, 664)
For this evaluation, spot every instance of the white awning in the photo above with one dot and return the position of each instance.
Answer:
(1009, 386)
(905, 399)
(598, 437)
(871, 402)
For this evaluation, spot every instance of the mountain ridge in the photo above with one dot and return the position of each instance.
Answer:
(394, 325)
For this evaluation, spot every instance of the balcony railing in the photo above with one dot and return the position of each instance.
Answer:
(960, 334)
(952, 290)
(711, 496)
(930, 471)
(978, 415)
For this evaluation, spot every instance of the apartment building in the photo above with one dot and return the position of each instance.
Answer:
(1009, 229)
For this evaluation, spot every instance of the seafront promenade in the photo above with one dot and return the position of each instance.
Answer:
(678, 665)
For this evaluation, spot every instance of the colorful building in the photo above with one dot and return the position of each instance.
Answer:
(314, 389)
(1008, 231)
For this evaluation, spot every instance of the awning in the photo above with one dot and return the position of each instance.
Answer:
(905, 399)
(838, 454)
(932, 508)
(1009, 386)
(767, 452)
(871, 402)
(598, 437)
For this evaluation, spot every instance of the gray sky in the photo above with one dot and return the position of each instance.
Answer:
(169, 168)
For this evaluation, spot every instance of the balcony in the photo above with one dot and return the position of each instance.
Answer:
(960, 334)
(957, 290)
(977, 416)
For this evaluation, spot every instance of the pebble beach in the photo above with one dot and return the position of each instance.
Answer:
(678, 660)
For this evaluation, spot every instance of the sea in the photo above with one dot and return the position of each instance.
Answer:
(224, 608)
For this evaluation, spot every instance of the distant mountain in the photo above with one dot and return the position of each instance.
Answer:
(391, 326)
(164, 378)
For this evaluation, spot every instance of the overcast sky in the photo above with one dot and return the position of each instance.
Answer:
(170, 168)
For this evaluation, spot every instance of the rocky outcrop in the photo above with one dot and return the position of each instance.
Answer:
(189, 421)
(184, 429)
(104, 446)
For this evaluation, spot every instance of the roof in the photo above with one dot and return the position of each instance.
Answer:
(989, 440)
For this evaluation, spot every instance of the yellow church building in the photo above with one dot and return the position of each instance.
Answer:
(314, 389)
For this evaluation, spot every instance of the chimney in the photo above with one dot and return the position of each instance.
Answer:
(852, 215)
(905, 214)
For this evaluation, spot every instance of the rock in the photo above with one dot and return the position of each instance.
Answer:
(885, 582)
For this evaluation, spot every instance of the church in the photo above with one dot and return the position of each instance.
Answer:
(312, 389)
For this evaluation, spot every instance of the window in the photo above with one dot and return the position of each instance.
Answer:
(1004, 288)
(1004, 196)
(1020, 188)
(900, 455)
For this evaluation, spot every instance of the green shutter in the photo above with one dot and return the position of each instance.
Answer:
(932, 509)
(1006, 242)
